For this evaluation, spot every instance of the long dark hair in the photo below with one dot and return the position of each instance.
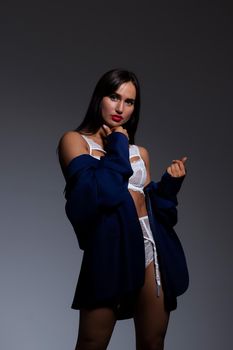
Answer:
(107, 85)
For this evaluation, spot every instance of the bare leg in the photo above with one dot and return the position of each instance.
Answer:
(151, 318)
(95, 328)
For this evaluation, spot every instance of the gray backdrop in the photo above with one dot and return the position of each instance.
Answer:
(52, 54)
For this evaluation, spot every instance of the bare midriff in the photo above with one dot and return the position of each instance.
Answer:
(139, 202)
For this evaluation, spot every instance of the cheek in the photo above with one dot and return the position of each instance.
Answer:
(105, 106)
(129, 113)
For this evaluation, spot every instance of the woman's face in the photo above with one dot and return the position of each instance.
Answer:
(118, 107)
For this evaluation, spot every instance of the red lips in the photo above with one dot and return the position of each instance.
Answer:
(117, 118)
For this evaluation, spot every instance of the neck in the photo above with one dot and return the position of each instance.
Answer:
(100, 134)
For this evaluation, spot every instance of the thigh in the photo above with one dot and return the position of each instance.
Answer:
(151, 318)
(95, 328)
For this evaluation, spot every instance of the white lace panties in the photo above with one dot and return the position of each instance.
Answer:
(150, 249)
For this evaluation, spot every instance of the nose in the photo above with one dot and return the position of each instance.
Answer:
(119, 107)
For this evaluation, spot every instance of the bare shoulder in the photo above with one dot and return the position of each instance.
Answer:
(71, 145)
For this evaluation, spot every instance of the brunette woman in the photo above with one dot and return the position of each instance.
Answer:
(125, 272)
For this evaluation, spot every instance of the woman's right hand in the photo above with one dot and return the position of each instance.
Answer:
(108, 131)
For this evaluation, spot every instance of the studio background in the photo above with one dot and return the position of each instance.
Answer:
(52, 55)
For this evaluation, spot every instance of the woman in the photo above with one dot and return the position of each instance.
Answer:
(124, 274)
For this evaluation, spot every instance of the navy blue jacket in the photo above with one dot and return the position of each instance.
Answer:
(103, 215)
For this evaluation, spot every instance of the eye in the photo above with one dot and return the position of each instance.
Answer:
(130, 102)
(113, 97)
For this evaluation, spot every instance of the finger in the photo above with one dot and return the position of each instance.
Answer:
(169, 170)
(175, 169)
(183, 159)
(174, 173)
(117, 128)
(106, 129)
(179, 164)
(120, 129)
(182, 170)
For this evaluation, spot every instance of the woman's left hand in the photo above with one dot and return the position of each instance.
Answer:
(177, 168)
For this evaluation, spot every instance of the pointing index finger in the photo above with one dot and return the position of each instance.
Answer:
(183, 160)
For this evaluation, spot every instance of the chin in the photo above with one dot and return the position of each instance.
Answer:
(112, 124)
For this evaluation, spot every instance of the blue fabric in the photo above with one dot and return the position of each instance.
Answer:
(104, 217)
(162, 213)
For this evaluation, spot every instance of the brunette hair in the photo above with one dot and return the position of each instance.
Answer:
(107, 85)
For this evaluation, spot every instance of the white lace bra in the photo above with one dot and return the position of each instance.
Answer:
(138, 179)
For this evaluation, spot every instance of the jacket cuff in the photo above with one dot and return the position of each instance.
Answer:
(170, 185)
(117, 156)
(118, 144)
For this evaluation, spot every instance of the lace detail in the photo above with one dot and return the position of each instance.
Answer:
(138, 179)
(150, 249)
(93, 146)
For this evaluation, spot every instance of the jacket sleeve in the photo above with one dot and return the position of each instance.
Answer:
(162, 197)
(169, 186)
(92, 184)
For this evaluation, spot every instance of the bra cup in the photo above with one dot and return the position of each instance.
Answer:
(138, 179)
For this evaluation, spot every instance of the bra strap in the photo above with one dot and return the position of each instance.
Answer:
(88, 142)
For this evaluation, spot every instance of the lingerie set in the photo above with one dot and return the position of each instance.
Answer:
(136, 183)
